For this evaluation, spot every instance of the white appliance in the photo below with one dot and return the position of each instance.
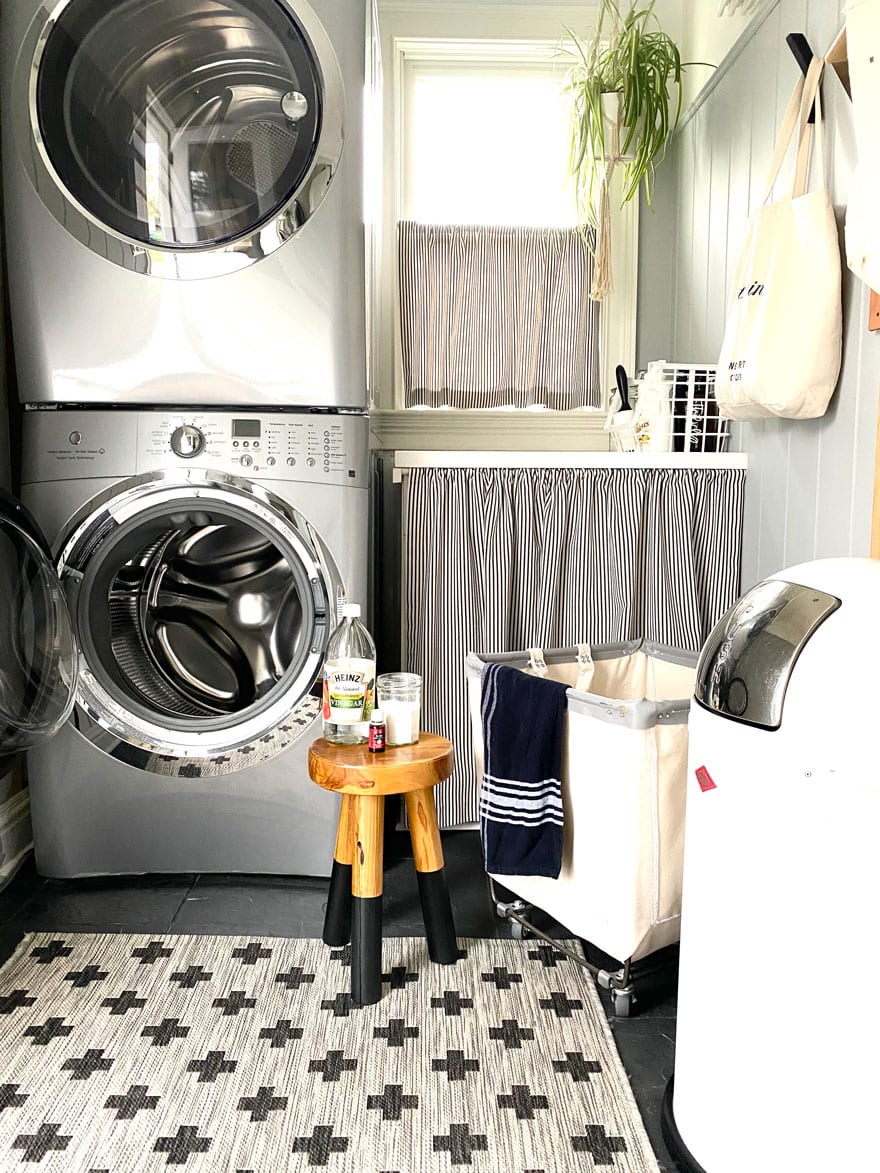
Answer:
(201, 559)
(776, 1034)
(183, 200)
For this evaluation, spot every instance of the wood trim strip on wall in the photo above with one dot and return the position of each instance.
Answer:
(729, 61)
(875, 512)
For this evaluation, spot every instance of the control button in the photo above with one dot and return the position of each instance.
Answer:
(247, 460)
(245, 443)
(235, 443)
(311, 462)
(291, 460)
(256, 443)
(75, 437)
(187, 441)
(270, 461)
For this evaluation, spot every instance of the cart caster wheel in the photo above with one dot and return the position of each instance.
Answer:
(621, 1003)
(503, 908)
(518, 931)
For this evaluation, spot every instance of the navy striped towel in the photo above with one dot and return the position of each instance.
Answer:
(521, 795)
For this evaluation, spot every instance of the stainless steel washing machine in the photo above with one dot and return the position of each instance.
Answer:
(202, 558)
(183, 200)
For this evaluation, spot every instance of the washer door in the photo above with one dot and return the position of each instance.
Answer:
(201, 609)
(212, 125)
(38, 660)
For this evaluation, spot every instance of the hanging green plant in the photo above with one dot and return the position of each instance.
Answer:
(625, 86)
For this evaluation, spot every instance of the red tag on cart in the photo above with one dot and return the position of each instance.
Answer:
(705, 779)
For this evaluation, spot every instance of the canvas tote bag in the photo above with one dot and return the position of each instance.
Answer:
(862, 231)
(782, 339)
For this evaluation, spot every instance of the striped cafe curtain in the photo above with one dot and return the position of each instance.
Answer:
(497, 317)
(501, 559)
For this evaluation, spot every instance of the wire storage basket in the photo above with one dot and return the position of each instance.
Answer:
(676, 409)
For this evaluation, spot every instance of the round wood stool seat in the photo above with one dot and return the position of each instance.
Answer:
(352, 769)
(354, 904)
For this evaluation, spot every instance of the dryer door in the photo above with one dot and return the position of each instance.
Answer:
(38, 659)
(212, 125)
(201, 607)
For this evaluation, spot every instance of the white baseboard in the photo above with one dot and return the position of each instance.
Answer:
(15, 834)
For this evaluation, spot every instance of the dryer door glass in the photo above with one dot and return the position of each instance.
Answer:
(38, 659)
(201, 612)
(181, 125)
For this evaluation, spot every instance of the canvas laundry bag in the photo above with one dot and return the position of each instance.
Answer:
(782, 339)
(862, 229)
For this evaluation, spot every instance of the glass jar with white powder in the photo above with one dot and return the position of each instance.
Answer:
(399, 695)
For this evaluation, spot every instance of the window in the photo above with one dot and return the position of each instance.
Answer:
(485, 141)
(476, 133)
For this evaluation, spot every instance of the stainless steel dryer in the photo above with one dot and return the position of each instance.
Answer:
(183, 200)
(202, 557)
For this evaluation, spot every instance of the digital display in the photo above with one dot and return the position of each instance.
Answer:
(245, 429)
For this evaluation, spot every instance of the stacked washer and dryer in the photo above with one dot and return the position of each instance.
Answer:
(183, 203)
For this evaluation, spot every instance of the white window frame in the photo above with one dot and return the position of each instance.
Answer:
(505, 33)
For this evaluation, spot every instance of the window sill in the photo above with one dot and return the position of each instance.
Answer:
(519, 431)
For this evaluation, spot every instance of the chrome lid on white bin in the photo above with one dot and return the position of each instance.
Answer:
(747, 661)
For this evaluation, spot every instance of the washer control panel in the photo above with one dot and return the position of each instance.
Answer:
(321, 448)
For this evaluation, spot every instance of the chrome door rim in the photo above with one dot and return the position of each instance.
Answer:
(264, 239)
(149, 744)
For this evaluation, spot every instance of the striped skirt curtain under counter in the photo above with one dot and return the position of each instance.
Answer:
(497, 317)
(499, 559)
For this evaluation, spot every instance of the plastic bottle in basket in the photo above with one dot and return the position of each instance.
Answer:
(652, 421)
(349, 680)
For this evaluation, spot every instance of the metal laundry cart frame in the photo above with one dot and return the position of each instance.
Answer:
(618, 983)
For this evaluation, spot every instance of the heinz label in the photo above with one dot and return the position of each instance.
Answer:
(348, 691)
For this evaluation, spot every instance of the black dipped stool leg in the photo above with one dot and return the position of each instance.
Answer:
(437, 914)
(366, 887)
(421, 815)
(366, 950)
(337, 918)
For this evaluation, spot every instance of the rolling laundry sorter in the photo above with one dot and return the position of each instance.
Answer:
(623, 790)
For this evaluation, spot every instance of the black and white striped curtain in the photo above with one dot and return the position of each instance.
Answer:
(497, 317)
(500, 559)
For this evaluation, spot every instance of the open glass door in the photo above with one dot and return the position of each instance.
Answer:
(38, 656)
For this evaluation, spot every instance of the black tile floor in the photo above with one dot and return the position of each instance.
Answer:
(281, 906)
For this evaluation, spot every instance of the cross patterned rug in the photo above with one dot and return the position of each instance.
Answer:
(125, 1054)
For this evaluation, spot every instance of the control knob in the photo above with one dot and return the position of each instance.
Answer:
(187, 441)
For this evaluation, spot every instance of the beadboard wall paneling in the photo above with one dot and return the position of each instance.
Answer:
(809, 488)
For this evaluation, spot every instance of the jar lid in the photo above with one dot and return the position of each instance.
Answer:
(351, 610)
(399, 680)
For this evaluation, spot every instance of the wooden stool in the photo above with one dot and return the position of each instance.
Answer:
(354, 905)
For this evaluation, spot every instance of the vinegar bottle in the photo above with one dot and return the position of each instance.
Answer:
(349, 680)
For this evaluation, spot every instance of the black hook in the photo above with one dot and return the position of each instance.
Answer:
(803, 55)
